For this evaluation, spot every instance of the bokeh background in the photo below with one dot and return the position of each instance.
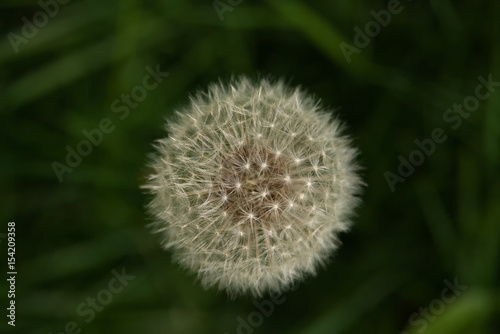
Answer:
(442, 223)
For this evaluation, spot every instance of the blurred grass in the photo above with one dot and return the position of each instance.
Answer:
(442, 222)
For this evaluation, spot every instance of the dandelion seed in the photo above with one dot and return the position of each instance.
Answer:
(247, 236)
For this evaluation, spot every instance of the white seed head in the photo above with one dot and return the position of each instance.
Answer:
(252, 186)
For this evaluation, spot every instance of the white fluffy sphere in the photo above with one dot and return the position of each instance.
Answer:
(252, 186)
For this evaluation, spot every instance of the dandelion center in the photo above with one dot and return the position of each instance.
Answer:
(257, 188)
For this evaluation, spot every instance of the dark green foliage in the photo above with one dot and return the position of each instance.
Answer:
(441, 223)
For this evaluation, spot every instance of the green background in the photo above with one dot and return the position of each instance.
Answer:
(442, 223)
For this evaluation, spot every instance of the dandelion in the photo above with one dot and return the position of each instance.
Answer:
(252, 186)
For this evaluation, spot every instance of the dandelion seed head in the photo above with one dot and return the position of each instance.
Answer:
(233, 193)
